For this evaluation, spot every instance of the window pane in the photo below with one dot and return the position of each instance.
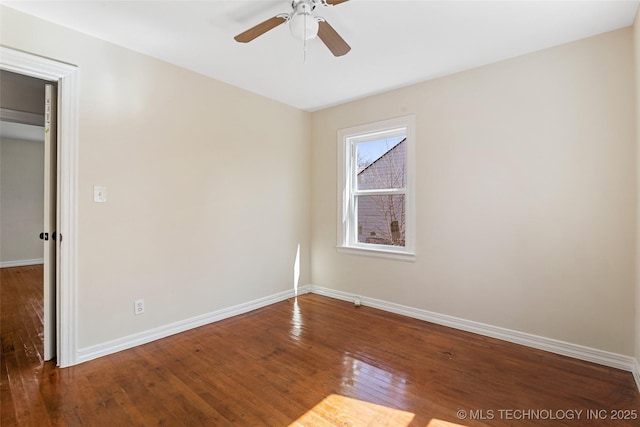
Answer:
(382, 164)
(381, 219)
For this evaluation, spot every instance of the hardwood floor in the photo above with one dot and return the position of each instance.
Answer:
(311, 362)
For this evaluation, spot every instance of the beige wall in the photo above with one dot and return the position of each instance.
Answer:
(21, 199)
(207, 186)
(525, 195)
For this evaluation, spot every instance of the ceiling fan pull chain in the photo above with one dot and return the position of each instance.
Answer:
(305, 40)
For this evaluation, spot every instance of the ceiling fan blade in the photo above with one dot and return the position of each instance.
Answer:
(260, 29)
(332, 39)
(335, 2)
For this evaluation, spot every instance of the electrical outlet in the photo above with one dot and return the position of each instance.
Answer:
(138, 306)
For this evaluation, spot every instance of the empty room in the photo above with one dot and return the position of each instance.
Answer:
(320, 213)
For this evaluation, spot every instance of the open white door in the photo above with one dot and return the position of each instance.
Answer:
(49, 234)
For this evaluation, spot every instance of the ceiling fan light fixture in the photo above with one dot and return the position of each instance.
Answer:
(302, 24)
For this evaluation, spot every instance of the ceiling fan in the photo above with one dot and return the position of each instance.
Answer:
(303, 24)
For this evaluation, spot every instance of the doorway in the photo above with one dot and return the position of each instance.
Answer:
(66, 78)
(28, 202)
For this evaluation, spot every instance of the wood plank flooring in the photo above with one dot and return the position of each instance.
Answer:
(313, 361)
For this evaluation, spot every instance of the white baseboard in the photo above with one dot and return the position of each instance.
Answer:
(589, 354)
(93, 352)
(21, 262)
(601, 357)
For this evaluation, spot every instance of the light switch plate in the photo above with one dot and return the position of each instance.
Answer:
(99, 194)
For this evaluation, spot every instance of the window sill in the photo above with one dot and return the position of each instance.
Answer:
(378, 253)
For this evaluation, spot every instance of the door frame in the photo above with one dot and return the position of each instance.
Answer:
(66, 76)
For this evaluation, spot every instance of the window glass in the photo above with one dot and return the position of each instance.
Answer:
(376, 199)
(381, 219)
(381, 164)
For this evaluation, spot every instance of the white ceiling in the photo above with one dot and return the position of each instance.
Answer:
(394, 42)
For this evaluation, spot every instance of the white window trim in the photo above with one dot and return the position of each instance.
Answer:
(346, 241)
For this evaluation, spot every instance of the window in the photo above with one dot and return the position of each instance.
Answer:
(376, 213)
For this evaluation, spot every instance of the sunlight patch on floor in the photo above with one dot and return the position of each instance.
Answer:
(336, 410)
(439, 423)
